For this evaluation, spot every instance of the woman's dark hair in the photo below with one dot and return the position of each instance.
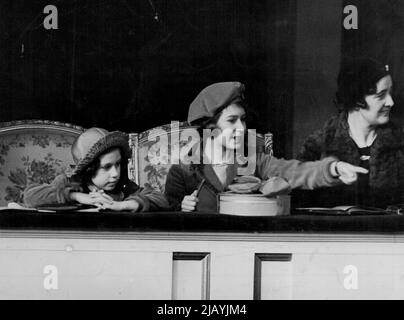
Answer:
(357, 78)
(91, 170)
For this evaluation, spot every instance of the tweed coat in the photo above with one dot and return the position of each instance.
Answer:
(386, 165)
(183, 179)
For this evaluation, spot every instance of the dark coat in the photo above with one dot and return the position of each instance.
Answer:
(183, 179)
(386, 165)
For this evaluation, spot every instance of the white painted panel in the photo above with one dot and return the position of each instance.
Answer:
(187, 279)
(140, 265)
(85, 274)
(276, 280)
(232, 272)
(346, 276)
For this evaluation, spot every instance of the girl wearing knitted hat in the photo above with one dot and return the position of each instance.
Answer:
(99, 178)
(362, 134)
(222, 106)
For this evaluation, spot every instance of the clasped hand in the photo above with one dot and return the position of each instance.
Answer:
(189, 203)
(102, 201)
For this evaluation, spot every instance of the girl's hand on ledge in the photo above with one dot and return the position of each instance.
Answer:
(100, 193)
(90, 199)
(129, 205)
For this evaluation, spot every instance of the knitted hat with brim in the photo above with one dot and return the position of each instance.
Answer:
(93, 142)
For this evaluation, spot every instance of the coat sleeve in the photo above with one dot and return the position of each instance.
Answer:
(148, 198)
(312, 147)
(175, 190)
(56, 192)
(305, 175)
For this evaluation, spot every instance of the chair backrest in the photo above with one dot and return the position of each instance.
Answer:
(33, 151)
(149, 164)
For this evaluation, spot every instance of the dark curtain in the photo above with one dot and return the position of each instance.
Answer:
(132, 65)
(380, 35)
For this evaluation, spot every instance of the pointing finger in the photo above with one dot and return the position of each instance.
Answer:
(361, 170)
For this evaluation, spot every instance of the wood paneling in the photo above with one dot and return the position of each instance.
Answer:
(272, 276)
(191, 276)
(152, 265)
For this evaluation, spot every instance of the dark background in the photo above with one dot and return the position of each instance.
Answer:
(136, 64)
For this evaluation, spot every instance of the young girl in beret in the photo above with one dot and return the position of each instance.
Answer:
(222, 106)
(99, 178)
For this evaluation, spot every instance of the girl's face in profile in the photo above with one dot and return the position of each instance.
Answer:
(108, 174)
(380, 103)
(232, 126)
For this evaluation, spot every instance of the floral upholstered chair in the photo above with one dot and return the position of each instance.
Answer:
(155, 150)
(33, 151)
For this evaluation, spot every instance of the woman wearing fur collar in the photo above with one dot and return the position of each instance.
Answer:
(362, 134)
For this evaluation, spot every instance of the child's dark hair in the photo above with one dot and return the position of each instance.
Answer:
(357, 78)
(89, 173)
(210, 123)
